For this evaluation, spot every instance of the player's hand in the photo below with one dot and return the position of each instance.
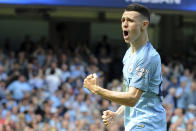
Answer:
(109, 117)
(91, 83)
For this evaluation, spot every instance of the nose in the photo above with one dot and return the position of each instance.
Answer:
(125, 24)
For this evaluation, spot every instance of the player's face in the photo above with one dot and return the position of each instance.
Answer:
(131, 26)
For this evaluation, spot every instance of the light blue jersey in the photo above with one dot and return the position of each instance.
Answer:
(142, 70)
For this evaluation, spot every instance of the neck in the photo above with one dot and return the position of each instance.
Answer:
(141, 41)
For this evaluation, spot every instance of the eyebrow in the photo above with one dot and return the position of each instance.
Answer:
(127, 18)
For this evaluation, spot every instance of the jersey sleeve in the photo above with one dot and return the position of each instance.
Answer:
(142, 73)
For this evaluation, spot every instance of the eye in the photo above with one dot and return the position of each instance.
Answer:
(123, 19)
(130, 20)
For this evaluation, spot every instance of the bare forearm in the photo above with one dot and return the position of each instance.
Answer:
(129, 98)
(120, 111)
(122, 98)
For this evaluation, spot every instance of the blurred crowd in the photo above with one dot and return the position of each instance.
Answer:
(41, 88)
(179, 91)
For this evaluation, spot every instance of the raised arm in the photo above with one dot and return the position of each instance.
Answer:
(129, 98)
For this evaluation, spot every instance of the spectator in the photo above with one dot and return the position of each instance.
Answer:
(187, 75)
(3, 74)
(40, 56)
(56, 99)
(29, 72)
(77, 68)
(19, 87)
(14, 72)
(53, 67)
(10, 60)
(65, 72)
(171, 99)
(52, 81)
(192, 93)
(48, 60)
(55, 121)
(2, 89)
(20, 125)
(182, 95)
(84, 117)
(37, 81)
(10, 102)
(24, 105)
(169, 114)
(173, 83)
(14, 115)
(104, 106)
(92, 60)
(190, 113)
(22, 61)
(165, 82)
(65, 125)
(104, 61)
(63, 60)
(178, 120)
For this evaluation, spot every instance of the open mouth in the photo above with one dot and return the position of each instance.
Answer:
(126, 33)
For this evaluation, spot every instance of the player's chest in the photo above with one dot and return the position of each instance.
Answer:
(128, 69)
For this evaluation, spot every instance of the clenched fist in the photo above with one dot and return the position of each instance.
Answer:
(109, 118)
(91, 83)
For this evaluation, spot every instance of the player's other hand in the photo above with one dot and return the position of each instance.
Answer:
(91, 83)
(109, 117)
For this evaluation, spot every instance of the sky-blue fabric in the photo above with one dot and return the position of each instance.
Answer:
(142, 70)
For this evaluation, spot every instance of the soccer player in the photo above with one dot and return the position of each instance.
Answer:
(141, 102)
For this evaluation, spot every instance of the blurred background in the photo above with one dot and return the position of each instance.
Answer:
(48, 47)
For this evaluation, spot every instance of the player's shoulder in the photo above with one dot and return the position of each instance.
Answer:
(149, 55)
(153, 51)
(153, 54)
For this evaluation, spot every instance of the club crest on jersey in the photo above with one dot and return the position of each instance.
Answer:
(141, 72)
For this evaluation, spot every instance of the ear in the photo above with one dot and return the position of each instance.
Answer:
(145, 24)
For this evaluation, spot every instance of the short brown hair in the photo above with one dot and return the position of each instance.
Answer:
(144, 11)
